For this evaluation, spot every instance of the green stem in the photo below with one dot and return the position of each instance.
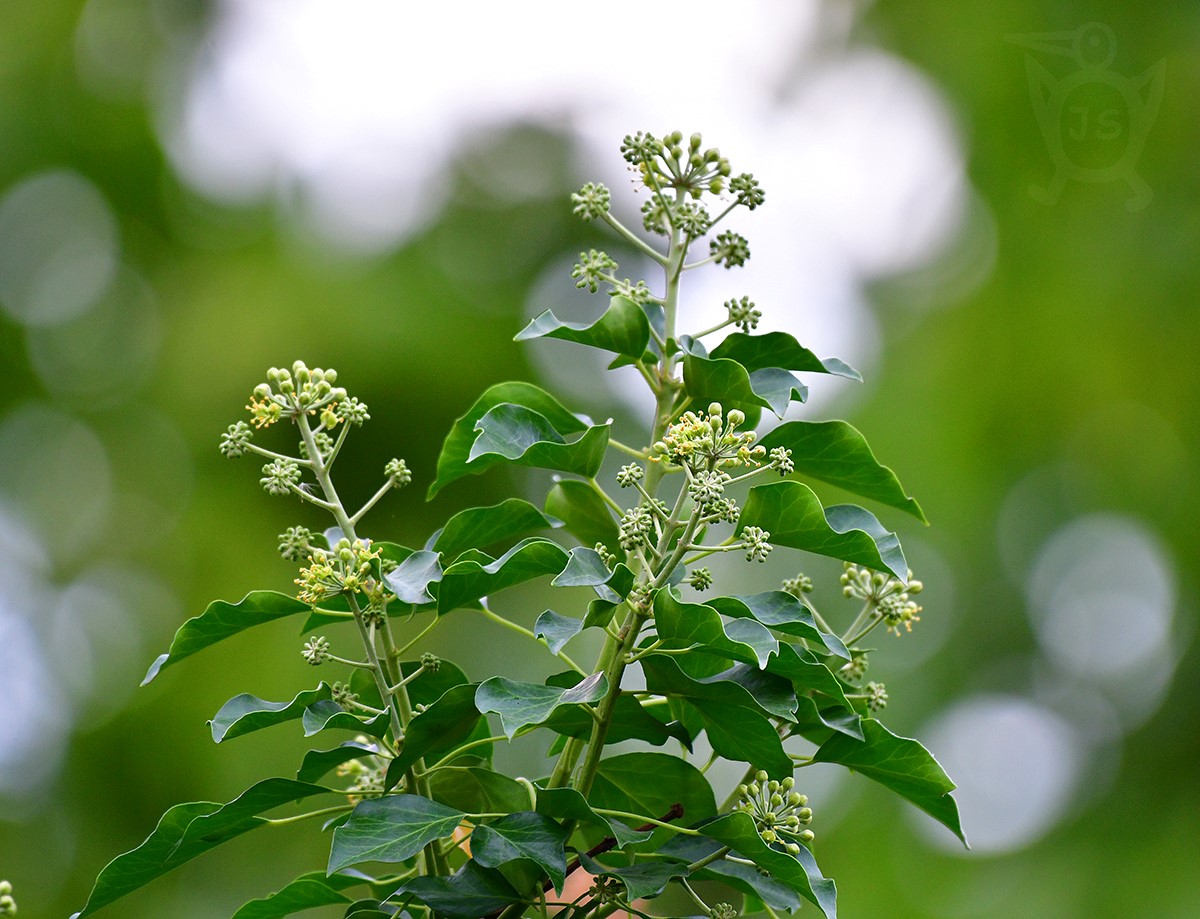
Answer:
(521, 630)
(284, 821)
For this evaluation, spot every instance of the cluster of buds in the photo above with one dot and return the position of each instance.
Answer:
(723, 911)
(299, 391)
(8, 906)
(636, 528)
(316, 650)
(665, 163)
(890, 596)
(592, 269)
(295, 543)
(743, 314)
(798, 586)
(699, 579)
(347, 568)
(366, 774)
(730, 249)
(755, 540)
(591, 201)
(709, 441)
(877, 697)
(780, 814)
(855, 669)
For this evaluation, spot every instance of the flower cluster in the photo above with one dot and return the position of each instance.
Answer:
(743, 314)
(664, 163)
(755, 542)
(367, 773)
(779, 813)
(591, 201)
(397, 472)
(636, 528)
(889, 595)
(349, 567)
(730, 249)
(699, 578)
(877, 697)
(236, 439)
(295, 543)
(280, 476)
(8, 906)
(798, 586)
(708, 441)
(592, 268)
(316, 650)
(295, 392)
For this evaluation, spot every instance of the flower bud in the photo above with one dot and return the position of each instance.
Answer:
(760, 776)
(736, 417)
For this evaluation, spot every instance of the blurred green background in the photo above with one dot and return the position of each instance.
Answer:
(191, 193)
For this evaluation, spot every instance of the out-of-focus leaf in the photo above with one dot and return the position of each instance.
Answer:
(835, 452)
(220, 620)
(520, 704)
(898, 763)
(188, 830)
(305, 892)
(390, 829)
(794, 517)
(623, 329)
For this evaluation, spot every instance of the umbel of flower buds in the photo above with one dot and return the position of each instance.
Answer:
(780, 814)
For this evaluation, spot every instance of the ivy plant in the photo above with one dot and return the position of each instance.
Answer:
(417, 820)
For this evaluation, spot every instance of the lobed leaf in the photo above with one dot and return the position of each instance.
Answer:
(835, 452)
(327, 715)
(471, 891)
(556, 629)
(390, 829)
(521, 705)
(781, 611)
(584, 512)
(569, 804)
(525, 834)
(221, 620)
(898, 763)
(794, 517)
(188, 830)
(778, 349)
(623, 329)
(411, 579)
(707, 379)
(525, 437)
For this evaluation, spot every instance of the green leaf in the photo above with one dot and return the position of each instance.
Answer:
(305, 892)
(816, 724)
(651, 784)
(411, 579)
(641, 880)
(317, 763)
(622, 329)
(778, 349)
(522, 436)
(745, 736)
(746, 878)
(471, 891)
(440, 728)
(245, 713)
(220, 620)
(477, 575)
(630, 721)
(569, 804)
(478, 790)
(556, 629)
(452, 463)
(740, 685)
(695, 625)
(808, 674)
(520, 705)
(734, 385)
(523, 835)
(390, 829)
(794, 517)
(780, 611)
(799, 872)
(479, 527)
(584, 513)
(327, 715)
(835, 452)
(898, 763)
(188, 830)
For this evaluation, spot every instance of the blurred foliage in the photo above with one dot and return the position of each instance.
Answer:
(1076, 355)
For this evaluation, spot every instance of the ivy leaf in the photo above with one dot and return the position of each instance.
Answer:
(527, 438)
(808, 674)
(641, 880)
(696, 625)
(794, 517)
(390, 829)
(556, 629)
(898, 763)
(440, 728)
(622, 329)
(583, 511)
(305, 892)
(478, 790)
(740, 685)
(734, 385)
(745, 736)
(245, 713)
(523, 835)
(520, 705)
(220, 620)
(317, 763)
(327, 715)
(453, 462)
(835, 452)
(470, 892)
(411, 579)
(630, 720)
(479, 527)
(569, 804)
(651, 784)
(779, 610)
(816, 724)
(745, 878)
(778, 349)
(476, 575)
(188, 830)
(799, 872)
